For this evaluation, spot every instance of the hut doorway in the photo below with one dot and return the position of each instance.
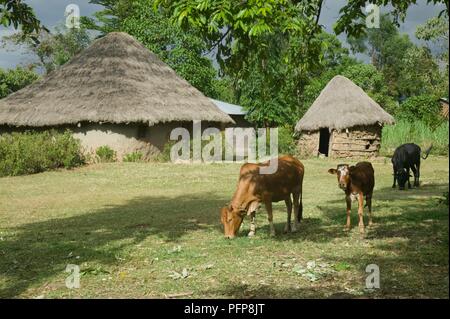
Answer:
(324, 141)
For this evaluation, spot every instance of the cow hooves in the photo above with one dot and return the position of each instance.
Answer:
(251, 234)
(272, 234)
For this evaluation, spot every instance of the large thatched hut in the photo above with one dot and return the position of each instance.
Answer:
(342, 122)
(115, 93)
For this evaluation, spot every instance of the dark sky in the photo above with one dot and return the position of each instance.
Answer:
(51, 13)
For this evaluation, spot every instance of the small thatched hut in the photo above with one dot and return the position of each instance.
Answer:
(342, 122)
(115, 93)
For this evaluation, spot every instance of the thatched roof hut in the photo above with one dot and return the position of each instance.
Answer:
(343, 121)
(116, 81)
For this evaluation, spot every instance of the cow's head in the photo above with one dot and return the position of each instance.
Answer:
(231, 219)
(402, 178)
(343, 175)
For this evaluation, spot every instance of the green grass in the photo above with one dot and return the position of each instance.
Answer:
(130, 226)
(418, 132)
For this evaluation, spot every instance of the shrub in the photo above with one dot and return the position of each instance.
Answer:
(33, 152)
(424, 108)
(286, 141)
(133, 157)
(105, 154)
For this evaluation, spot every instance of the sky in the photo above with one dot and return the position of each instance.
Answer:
(51, 14)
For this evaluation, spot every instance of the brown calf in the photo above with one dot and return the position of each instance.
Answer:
(255, 188)
(356, 181)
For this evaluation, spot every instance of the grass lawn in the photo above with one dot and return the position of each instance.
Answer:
(153, 231)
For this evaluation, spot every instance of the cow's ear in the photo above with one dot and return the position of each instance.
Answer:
(332, 171)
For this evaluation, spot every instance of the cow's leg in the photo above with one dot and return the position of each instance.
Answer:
(361, 212)
(418, 174)
(252, 224)
(297, 218)
(413, 168)
(288, 202)
(348, 200)
(409, 182)
(395, 178)
(270, 217)
(369, 205)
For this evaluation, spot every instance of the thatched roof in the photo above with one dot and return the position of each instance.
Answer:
(342, 104)
(115, 80)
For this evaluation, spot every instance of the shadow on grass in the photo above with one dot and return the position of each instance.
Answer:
(32, 252)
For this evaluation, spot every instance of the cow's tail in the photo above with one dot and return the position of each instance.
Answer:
(427, 152)
(300, 208)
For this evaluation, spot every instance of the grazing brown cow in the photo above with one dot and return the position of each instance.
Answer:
(356, 181)
(255, 188)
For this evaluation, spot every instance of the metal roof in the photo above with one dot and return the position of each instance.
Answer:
(228, 108)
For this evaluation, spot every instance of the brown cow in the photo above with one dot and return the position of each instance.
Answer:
(356, 181)
(255, 188)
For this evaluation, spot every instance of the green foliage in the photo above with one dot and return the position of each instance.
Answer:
(415, 132)
(17, 13)
(14, 79)
(183, 51)
(364, 75)
(53, 49)
(33, 152)
(352, 19)
(133, 157)
(286, 142)
(105, 154)
(422, 107)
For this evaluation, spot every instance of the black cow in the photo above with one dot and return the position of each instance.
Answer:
(406, 157)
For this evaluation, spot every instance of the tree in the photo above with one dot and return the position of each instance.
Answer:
(18, 13)
(15, 79)
(352, 19)
(182, 51)
(53, 49)
(387, 48)
(420, 73)
(435, 31)
(424, 107)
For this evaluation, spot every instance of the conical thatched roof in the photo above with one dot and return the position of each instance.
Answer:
(115, 80)
(342, 104)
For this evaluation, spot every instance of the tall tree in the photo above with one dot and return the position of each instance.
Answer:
(386, 47)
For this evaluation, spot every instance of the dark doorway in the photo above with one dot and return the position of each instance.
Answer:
(324, 141)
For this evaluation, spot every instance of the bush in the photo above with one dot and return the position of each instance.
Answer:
(415, 132)
(424, 108)
(133, 157)
(33, 152)
(105, 154)
(286, 141)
